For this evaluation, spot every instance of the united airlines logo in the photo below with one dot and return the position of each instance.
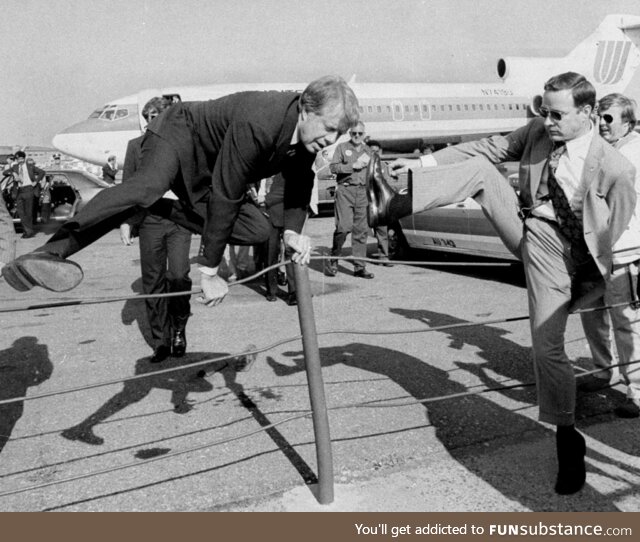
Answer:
(611, 59)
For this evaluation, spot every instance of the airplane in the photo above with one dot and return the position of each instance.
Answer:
(408, 116)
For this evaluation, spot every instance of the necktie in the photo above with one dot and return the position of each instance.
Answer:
(570, 225)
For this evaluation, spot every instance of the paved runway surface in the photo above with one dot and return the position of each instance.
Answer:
(484, 452)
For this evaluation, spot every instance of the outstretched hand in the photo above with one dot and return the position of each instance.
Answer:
(403, 165)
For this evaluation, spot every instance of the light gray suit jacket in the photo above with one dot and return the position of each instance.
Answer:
(610, 198)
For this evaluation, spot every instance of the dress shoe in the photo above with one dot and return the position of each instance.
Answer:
(82, 435)
(379, 194)
(628, 409)
(161, 353)
(292, 299)
(590, 384)
(178, 343)
(282, 279)
(572, 473)
(385, 262)
(42, 269)
(272, 297)
(363, 274)
(245, 362)
(28, 235)
(331, 268)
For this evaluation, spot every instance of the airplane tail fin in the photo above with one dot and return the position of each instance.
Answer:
(609, 58)
(611, 55)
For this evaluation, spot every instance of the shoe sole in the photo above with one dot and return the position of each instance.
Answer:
(57, 276)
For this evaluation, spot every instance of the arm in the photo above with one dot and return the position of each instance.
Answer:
(339, 163)
(621, 200)
(38, 173)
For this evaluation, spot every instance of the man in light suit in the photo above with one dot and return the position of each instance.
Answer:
(561, 266)
(207, 153)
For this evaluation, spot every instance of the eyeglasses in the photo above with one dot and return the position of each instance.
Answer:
(356, 133)
(555, 116)
(607, 118)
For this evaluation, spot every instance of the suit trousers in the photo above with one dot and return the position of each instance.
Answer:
(8, 238)
(626, 329)
(159, 170)
(271, 251)
(25, 204)
(351, 217)
(474, 178)
(164, 263)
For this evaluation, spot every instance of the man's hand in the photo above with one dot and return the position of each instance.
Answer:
(301, 244)
(403, 165)
(125, 234)
(214, 290)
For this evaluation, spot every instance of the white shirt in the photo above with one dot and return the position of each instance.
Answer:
(627, 248)
(569, 176)
(24, 175)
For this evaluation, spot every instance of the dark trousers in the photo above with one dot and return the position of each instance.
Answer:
(25, 204)
(272, 250)
(351, 217)
(159, 169)
(164, 262)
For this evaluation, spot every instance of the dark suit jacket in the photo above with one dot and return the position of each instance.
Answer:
(35, 172)
(108, 173)
(610, 198)
(225, 144)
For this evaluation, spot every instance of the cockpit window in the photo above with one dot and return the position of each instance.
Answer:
(110, 112)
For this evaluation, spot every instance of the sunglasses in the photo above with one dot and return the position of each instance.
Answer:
(607, 118)
(555, 116)
(356, 133)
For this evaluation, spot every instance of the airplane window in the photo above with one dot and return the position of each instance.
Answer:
(466, 107)
(361, 109)
(379, 109)
(388, 109)
(433, 107)
(473, 106)
(122, 113)
(442, 108)
(416, 109)
(108, 115)
(96, 113)
(398, 109)
(458, 107)
(370, 109)
(406, 108)
(510, 107)
(451, 108)
(481, 107)
(517, 106)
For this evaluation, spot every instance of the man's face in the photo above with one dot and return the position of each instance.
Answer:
(20, 159)
(612, 127)
(564, 121)
(319, 131)
(357, 134)
(374, 149)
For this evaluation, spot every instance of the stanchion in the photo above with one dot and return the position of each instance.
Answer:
(316, 384)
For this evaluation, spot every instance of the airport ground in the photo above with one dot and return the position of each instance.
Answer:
(391, 452)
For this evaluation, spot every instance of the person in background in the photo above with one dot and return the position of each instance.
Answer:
(381, 233)
(349, 163)
(28, 177)
(164, 256)
(617, 120)
(109, 170)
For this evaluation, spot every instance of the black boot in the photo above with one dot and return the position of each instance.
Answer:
(571, 449)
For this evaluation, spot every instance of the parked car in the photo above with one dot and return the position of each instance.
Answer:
(70, 190)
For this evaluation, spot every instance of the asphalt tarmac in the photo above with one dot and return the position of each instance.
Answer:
(406, 435)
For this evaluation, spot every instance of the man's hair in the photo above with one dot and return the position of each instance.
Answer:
(328, 92)
(627, 107)
(582, 90)
(157, 103)
(20, 154)
(374, 143)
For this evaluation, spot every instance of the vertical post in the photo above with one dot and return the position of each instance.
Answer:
(316, 384)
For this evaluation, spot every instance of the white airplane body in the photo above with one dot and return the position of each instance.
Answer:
(403, 116)
(407, 116)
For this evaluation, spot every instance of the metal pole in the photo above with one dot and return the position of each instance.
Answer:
(316, 384)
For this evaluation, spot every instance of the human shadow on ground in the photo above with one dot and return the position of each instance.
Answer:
(181, 384)
(507, 362)
(464, 424)
(23, 365)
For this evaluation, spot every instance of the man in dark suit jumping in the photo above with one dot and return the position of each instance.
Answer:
(207, 153)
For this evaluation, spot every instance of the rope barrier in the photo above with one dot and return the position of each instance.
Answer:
(304, 414)
(308, 413)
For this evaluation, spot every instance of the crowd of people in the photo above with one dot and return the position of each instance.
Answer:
(573, 222)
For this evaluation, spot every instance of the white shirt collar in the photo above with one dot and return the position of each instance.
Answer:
(579, 147)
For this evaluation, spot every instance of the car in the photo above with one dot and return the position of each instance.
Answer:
(71, 189)
(461, 228)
